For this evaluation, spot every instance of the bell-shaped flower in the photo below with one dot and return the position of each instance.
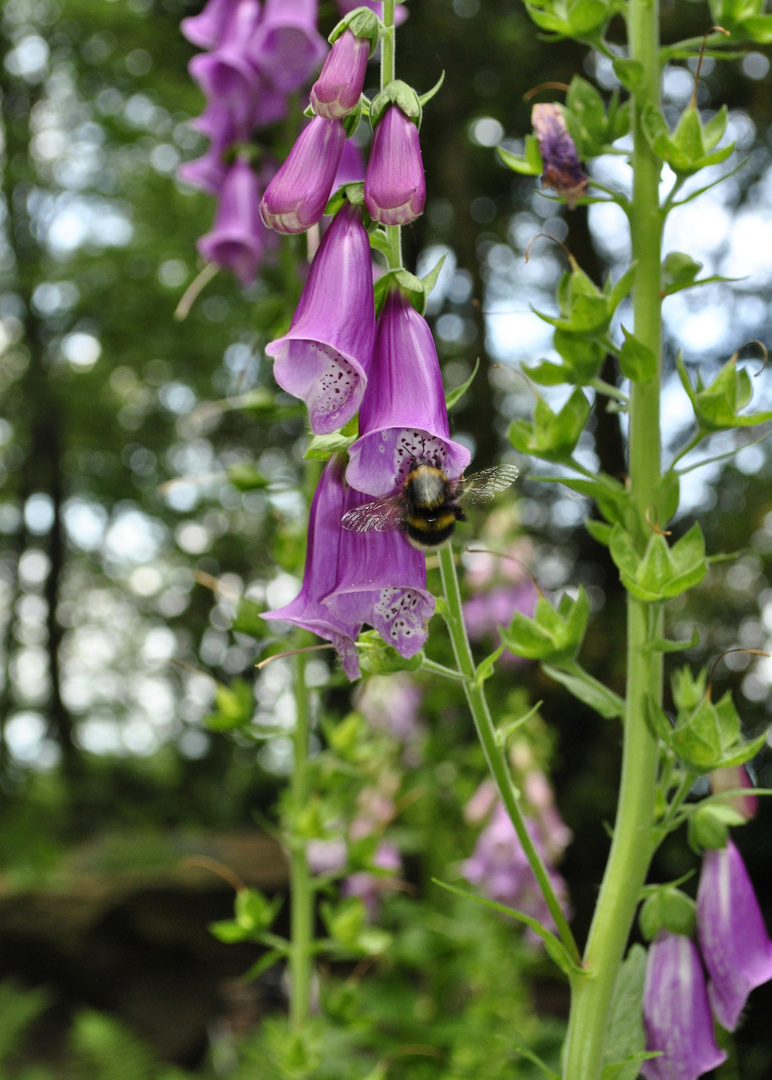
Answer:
(207, 29)
(676, 1013)
(381, 581)
(403, 418)
(324, 535)
(324, 357)
(238, 237)
(337, 91)
(296, 197)
(395, 185)
(734, 778)
(733, 939)
(227, 74)
(222, 127)
(287, 47)
(563, 170)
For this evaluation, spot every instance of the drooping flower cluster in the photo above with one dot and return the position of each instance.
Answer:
(736, 951)
(256, 55)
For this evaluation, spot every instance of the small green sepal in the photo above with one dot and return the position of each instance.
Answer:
(400, 94)
(667, 909)
(717, 406)
(363, 23)
(637, 361)
(455, 395)
(552, 436)
(378, 658)
(530, 164)
(663, 572)
(551, 635)
(709, 826)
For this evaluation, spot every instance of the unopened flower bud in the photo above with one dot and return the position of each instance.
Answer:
(238, 238)
(337, 90)
(395, 186)
(296, 197)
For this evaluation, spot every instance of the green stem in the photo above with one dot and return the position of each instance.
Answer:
(388, 74)
(301, 892)
(633, 842)
(497, 762)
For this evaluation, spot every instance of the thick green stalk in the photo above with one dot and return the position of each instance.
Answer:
(478, 706)
(301, 892)
(632, 846)
(388, 74)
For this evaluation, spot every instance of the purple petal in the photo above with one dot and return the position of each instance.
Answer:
(403, 416)
(227, 74)
(382, 581)
(395, 186)
(207, 29)
(676, 1014)
(287, 47)
(351, 169)
(238, 238)
(337, 90)
(296, 197)
(324, 533)
(563, 171)
(324, 357)
(734, 941)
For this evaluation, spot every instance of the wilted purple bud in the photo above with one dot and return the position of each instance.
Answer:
(206, 29)
(238, 237)
(351, 169)
(395, 185)
(500, 870)
(676, 1014)
(337, 91)
(227, 74)
(371, 887)
(403, 417)
(296, 197)
(563, 171)
(324, 533)
(382, 581)
(326, 856)
(734, 941)
(324, 356)
(732, 778)
(287, 47)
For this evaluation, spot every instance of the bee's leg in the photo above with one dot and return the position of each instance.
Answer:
(459, 512)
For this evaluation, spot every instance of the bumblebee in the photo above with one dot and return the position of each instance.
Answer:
(427, 508)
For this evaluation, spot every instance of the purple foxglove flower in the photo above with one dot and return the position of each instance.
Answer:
(486, 612)
(676, 1014)
(227, 74)
(563, 171)
(296, 197)
(206, 30)
(733, 778)
(223, 127)
(395, 186)
(382, 581)
(371, 887)
(351, 169)
(403, 417)
(324, 356)
(337, 91)
(733, 939)
(238, 237)
(500, 870)
(324, 534)
(327, 856)
(287, 47)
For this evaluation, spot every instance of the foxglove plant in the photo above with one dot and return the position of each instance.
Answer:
(395, 186)
(238, 238)
(337, 91)
(287, 46)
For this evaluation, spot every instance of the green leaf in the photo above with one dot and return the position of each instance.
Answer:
(249, 619)
(622, 288)
(534, 1059)
(587, 689)
(665, 645)
(254, 912)
(427, 97)
(458, 392)
(637, 361)
(530, 164)
(629, 72)
(716, 407)
(322, 447)
(625, 1038)
(262, 965)
(487, 667)
(378, 658)
(663, 572)
(547, 373)
(552, 436)
(553, 944)
(583, 355)
(430, 280)
(550, 635)
(598, 530)
(245, 477)
(235, 706)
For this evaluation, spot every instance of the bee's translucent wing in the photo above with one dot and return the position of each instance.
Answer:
(482, 486)
(381, 515)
